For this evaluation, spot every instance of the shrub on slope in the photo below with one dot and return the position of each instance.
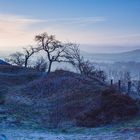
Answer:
(113, 107)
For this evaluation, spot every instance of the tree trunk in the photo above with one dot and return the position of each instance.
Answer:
(26, 61)
(49, 68)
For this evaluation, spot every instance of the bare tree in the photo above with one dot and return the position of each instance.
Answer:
(85, 67)
(41, 64)
(21, 59)
(100, 74)
(16, 59)
(52, 47)
(74, 57)
(28, 53)
(72, 54)
(127, 76)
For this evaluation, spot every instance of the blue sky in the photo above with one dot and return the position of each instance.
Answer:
(98, 22)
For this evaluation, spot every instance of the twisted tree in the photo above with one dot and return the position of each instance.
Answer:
(54, 48)
(28, 53)
(21, 58)
(16, 58)
(83, 66)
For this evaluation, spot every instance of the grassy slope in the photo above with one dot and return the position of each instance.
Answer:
(17, 114)
(54, 100)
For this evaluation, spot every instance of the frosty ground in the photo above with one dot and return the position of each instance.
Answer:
(42, 135)
(28, 111)
(128, 130)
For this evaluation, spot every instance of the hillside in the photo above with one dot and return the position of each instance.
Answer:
(62, 99)
(59, 99)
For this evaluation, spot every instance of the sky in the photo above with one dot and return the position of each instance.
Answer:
(91, 23)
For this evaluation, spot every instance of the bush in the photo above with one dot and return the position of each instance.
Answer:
(113, 107)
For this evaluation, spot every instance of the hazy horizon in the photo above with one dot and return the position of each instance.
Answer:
(108, 25)
(87, 48)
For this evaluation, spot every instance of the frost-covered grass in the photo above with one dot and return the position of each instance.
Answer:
(22, 120)
(128, 130)
(72, 134)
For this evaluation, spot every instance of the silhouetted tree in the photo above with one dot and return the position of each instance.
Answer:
(53, 48)
(85, 67)
(127, 76)
(100, 74)
(21, 59)
(72, 54)
(28, 53)
(16, 58)
(41, 64)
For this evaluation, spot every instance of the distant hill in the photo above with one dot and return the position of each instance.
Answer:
(114, 57)
(3, 62)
